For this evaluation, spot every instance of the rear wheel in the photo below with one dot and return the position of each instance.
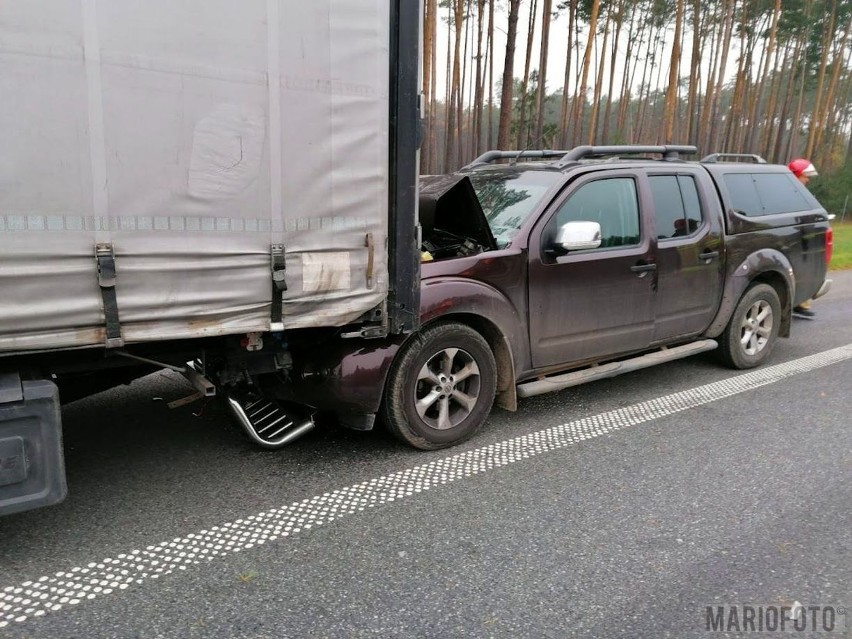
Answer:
(441, 387)
(753, 328)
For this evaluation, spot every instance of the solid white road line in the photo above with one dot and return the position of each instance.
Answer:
(108, 576)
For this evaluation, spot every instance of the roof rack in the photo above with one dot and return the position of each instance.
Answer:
(716, 157)
(492, 156)
(668, 151)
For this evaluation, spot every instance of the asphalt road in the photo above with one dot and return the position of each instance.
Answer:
(595, 512)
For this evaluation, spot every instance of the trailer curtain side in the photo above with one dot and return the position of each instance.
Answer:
(190, 138)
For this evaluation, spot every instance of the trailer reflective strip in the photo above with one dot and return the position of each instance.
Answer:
(52, 592)
(62, 222)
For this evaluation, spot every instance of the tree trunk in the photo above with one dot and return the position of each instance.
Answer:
(816, 120)
(838, 122)
(619, 21)
(541, 92)
(563, 115)
(692, 106)
(793, 140)
(630, 67)
(645, 85)
(580, 102)
(763, 79)
(674, 75)
(522, 118)
(715, 35)
(596, 100)
(476, 144)
(429, 9)
(739, 111)
(490, 143)
(779, 153)
(847, 116)
(736, 110)
(448, 88)
(462, 14)
(508, 77)
(450, 159)
(715, 127)
(772, 123)
(433, 92)
(825, 117)
(657, 117)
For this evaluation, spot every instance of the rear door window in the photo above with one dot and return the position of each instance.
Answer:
(677, 208)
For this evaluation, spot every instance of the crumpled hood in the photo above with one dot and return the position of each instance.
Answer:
(449, 203)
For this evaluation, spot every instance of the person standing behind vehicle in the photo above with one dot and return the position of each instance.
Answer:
(804, 171)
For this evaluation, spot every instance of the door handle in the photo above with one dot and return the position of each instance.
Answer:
(643, 268)
(708, 255)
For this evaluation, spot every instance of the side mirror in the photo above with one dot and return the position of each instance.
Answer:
(575, 236)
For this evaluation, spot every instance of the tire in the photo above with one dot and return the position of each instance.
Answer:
(752, 331)
(425, 404)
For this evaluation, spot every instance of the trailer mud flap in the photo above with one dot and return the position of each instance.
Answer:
(32, 470)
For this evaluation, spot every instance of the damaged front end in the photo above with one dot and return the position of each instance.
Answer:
(451, 218)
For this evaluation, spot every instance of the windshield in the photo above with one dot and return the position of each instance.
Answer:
(507, 198)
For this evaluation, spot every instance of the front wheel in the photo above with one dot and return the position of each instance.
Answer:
(753, 328)
(441, 387)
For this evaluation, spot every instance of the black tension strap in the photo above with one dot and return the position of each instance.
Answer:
(106, 280)
(279, 285)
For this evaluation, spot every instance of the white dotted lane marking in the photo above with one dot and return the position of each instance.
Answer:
(109, 576)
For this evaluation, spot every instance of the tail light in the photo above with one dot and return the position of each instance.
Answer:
(829, 244)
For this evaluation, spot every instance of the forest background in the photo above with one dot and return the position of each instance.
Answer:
(761, 77)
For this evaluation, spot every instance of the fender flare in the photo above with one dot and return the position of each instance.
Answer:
(488, 311)
(768, 265)
(349, 376)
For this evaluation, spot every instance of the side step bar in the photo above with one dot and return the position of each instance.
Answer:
(268, 423)
(604, 371)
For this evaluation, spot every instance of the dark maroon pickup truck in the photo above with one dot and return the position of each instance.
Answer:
(538, 270)
(546, 269)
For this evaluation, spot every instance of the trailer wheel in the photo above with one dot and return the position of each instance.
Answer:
(440, 387)
(753, 328)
